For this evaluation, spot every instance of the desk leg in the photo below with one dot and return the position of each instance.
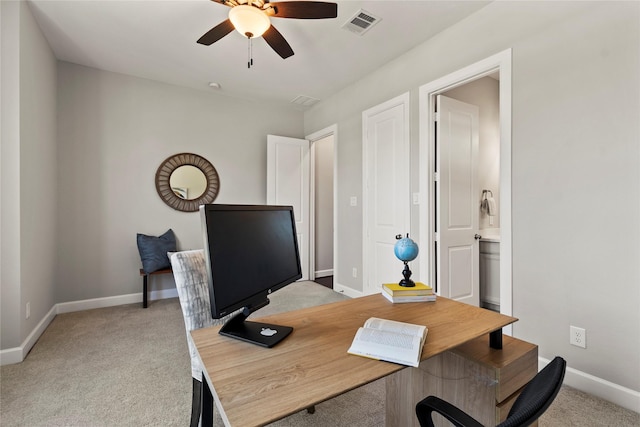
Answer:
(144, 290)
(495, 339)
(207, 404)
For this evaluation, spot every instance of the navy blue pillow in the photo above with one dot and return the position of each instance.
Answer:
(153, 250)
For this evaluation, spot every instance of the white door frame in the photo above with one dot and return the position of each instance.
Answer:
(499, 62)
(312, 138)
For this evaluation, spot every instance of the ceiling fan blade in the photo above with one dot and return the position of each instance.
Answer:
(277, 42)
(224, 2)
(216, 33)
(305, 9)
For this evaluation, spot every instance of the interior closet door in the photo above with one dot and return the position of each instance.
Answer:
(386, 192)
(288, 184)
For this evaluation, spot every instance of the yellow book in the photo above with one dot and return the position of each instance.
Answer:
(409, 298)
(395, 289)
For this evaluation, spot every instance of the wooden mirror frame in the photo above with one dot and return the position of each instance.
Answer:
(163, 175)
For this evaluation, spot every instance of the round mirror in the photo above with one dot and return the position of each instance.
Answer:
(185, 181)
(188, 182)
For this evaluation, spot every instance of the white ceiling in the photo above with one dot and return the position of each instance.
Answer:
(156, 39)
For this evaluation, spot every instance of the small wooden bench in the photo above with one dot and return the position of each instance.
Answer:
(145, 282)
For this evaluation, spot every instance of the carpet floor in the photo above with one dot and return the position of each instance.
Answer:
(128, 366)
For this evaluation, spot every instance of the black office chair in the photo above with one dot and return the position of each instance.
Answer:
(532, 402)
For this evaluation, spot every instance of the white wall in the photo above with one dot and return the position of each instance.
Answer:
(576, 180)
(38, 171)
(575, 169)
(10, 175)
(114, 131)
(29, 203)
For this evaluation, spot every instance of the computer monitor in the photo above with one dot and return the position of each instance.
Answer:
(251, 251)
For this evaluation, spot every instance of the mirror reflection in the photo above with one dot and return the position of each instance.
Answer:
(188, 182)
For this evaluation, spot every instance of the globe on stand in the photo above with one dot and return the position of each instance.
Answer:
(406, 250)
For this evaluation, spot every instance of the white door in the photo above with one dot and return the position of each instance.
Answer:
(457, 220)
(386, 191)
(288, 184)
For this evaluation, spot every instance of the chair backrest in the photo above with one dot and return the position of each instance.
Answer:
(537, 395)
(190, 274)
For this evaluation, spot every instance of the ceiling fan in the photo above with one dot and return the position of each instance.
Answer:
(251, 19)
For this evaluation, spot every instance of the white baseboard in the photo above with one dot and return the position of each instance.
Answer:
(614, 393)
(17, 354)
(324, 273)
(88, 304)
(346, 290)
(11, 356)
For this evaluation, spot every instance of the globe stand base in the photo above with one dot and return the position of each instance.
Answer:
(406, 282)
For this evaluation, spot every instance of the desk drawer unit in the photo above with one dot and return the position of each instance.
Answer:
(482, 381)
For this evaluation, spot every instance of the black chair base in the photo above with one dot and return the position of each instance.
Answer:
(532, 402)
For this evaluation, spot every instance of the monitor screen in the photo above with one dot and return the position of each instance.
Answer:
(251, 251)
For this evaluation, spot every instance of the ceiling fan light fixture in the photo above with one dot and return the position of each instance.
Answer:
(249, 21)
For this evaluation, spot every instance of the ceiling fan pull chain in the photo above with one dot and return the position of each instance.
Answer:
(250, 60)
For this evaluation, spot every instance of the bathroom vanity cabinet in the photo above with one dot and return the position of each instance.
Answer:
(490, 274)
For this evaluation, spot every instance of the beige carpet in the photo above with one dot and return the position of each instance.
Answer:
(128, 366)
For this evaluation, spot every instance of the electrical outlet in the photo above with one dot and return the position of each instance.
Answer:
(577, 336)
(28, 310)
(354, 272)
(353, 201)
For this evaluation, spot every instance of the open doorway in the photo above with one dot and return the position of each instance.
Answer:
(498, 66)
(322, 205)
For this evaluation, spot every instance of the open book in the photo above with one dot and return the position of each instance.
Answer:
(388, 340)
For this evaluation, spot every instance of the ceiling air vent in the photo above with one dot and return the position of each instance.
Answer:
(304, 101)
(361, 22)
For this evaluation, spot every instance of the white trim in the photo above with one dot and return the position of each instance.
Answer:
(312, 138)
(324, 273)
(312, 210)
(350, 292)
(11, 356)
(498, 62)
(88, 304)
(603, 389)
(18, 354)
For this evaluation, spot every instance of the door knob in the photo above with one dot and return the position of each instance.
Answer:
(477, 237)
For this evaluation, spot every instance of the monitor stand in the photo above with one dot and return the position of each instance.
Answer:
(262, 334)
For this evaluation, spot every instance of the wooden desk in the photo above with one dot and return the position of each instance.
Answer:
(480, 380)
(254, 386)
